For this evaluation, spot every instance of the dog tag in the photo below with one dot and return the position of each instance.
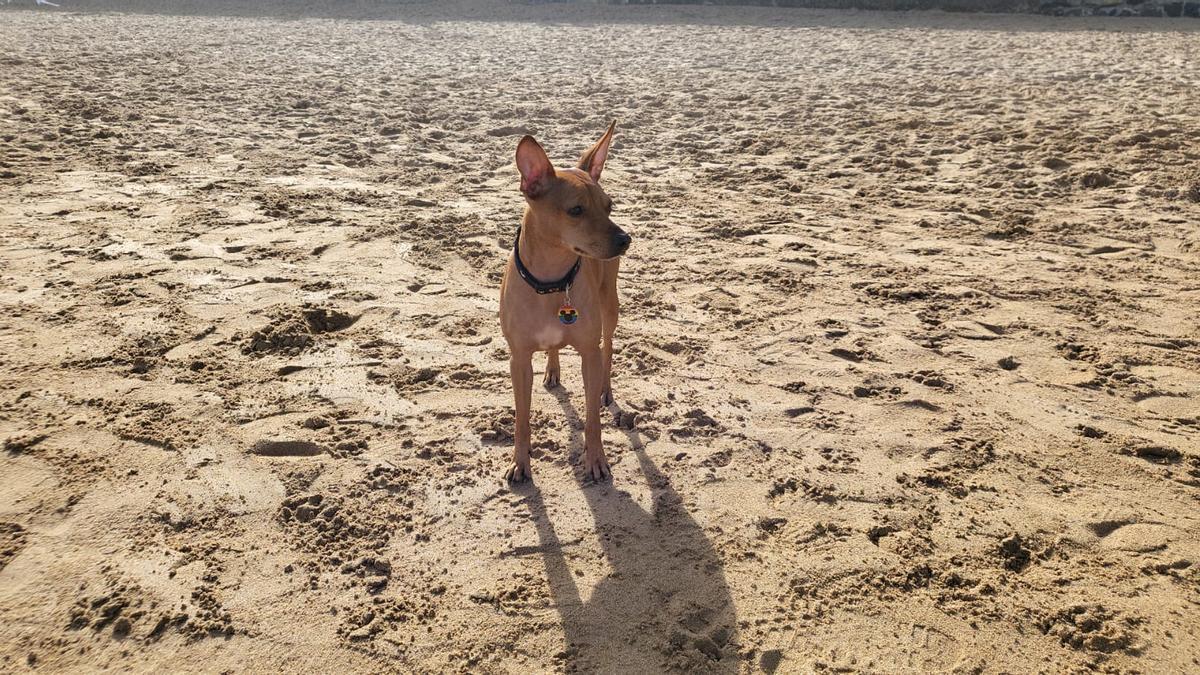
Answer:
(567, 314)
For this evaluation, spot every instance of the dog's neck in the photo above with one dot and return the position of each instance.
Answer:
(544, 257)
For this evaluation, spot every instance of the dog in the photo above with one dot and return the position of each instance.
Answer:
(560, 289)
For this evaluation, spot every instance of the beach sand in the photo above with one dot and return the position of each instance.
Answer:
(907, 375)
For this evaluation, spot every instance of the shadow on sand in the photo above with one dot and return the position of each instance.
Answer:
(664, 605)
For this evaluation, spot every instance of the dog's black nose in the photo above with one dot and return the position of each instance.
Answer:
(623, 240)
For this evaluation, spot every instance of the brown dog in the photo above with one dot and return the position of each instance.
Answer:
(560, 289)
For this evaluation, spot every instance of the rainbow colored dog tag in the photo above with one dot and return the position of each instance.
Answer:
(568, 314)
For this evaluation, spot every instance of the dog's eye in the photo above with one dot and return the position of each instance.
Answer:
(575, 210)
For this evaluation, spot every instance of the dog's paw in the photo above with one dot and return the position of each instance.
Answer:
(518, 473)
(550, 381)
(596, 467)
(606, 397)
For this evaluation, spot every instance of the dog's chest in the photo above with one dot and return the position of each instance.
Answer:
(547, 331)
(550, 335)
(531, 321)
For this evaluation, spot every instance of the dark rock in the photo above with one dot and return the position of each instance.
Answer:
(1016, 556)
(316, 422)
(802, 410)
(770, 660)
(771, 524)
(1096, 179)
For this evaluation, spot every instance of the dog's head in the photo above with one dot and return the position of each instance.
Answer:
(570, 205)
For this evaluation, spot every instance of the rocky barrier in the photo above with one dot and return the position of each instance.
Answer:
(1118, 8)
(1150, 8)
(494, 8)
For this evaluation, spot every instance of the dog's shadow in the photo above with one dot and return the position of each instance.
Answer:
(664, 605)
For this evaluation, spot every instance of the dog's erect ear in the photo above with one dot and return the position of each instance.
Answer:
(534, 165)
(593, 160)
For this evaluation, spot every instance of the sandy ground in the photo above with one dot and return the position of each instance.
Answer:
(908, 374)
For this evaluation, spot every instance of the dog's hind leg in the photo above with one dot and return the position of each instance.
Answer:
(611, 309)
(521, 366)
(595, 464)
(551, 379)
(606, 395)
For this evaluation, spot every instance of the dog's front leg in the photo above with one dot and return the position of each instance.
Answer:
(595, 464)
(521, 366)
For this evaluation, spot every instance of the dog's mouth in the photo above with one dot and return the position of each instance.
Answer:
(593, 256)
(611, 252)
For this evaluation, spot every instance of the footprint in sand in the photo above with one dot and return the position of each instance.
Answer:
(286, 449)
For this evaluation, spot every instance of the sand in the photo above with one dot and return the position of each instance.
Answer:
(907, 379)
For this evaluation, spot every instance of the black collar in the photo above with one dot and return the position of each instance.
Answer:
(543, 287)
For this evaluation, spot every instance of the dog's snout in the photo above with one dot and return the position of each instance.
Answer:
(622, 240)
